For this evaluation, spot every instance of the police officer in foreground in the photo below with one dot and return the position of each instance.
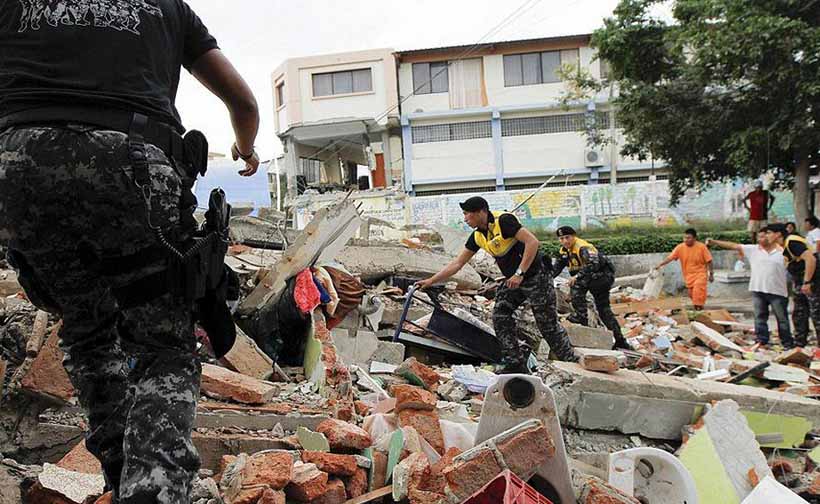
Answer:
(528, 278)
(94, 195)
(590, 271)
(801, 263)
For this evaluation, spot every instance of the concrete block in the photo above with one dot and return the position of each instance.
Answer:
(722, 454)
(373, 264)
(220, 382)
(56, 485)
(513, 399)
(713, 339)
(652, 418)
(409, 473)
(412, 397)
(652, 476)
(312, 441)
(419, 374)
(657, 386)
(589, 337)
(389, 353)
(247, 358)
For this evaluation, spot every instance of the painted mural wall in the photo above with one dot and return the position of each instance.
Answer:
(579, 206)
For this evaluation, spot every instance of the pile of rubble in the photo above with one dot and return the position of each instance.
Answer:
(373, 402)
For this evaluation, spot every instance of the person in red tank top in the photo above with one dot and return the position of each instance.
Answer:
(758, 203)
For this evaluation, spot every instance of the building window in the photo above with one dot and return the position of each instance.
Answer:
(311, 169)
(280, 95)
(536, 68)
(431, 78)
(460, 190)
(545, 125)
(347, 82)
(451, 132)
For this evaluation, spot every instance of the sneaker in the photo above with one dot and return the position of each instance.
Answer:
(621, 345)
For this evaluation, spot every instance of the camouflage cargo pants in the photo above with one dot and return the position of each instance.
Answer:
(67, 204)
(801, 312)
(540, 292)
(599, 287)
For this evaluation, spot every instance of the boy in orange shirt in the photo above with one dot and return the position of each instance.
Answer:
(696, 264)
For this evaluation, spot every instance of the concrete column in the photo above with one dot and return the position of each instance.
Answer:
(291, 166)
(407, 152)
(593, 175)
(388, 158)
(498, 150)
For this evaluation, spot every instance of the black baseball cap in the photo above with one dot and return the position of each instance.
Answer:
(565, 231)
(474, 204)
(778, 228)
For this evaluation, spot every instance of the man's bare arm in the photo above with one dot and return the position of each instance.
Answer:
(811, 266)
(724, 244)
(217, 74)
(531, 245)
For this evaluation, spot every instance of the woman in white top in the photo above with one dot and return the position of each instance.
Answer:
(812, 227)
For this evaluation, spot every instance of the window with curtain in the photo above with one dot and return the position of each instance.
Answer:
(347, 82)
(431, 78)
(537, 68)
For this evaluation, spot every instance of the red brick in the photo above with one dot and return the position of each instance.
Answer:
(466, 478)
(415, 371)
(249, 496)
(436, 483)
(781, 466)
(424, 497)
(344, 411)
(307, 483)
(596, 491)
(600, 363)
(272, 469)
(412, 397)
(426, 424)
(331, 463)
(379, 470)
(272, 497)
(47, 377)
(343, 435)
(334, 494)
(224, 383)
(79, 459)
(356, 485)
(527, 450)
(362, 409)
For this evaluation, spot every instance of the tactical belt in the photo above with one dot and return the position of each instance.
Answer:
(154, 132)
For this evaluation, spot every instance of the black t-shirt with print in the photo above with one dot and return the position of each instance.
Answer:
(113, 54)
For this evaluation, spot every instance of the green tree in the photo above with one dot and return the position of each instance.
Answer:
(730, 88)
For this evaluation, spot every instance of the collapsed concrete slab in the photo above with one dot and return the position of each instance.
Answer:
(219, 382)
(373, 264)
(645, 391)
(589, 337)
(247, 358)
(723, 456)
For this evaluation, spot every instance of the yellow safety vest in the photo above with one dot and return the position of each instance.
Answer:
(787, 255)
(492, 241)
(574, 260)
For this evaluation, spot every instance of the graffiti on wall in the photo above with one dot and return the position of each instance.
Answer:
(578, 206)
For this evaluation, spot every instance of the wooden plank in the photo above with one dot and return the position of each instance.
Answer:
(371, 496)
(647, 306)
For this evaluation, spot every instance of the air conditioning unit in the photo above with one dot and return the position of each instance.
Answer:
(593, 158)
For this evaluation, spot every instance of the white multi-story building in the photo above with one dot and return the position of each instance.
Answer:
(336, 113)
(477, 118)
(489, 118)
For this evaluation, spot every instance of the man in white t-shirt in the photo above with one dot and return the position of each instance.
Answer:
(767, 285)
(812, 227)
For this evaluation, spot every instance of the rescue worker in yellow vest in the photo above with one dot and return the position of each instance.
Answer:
(801, 263)
(590, 271)
(528, 278)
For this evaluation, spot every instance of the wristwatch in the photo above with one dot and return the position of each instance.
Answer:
(518, 272)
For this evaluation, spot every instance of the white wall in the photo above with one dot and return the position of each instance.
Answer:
(449, 160)
(360, 105)
(538, 153)
(497, 94)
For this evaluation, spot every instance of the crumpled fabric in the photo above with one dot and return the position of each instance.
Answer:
(350, 290)
(324, 278)
(305, 294)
